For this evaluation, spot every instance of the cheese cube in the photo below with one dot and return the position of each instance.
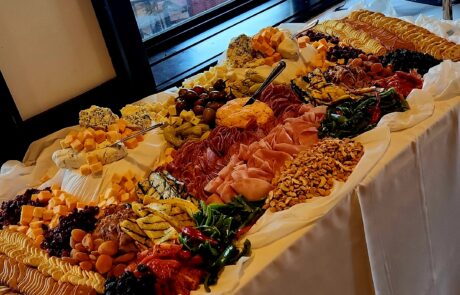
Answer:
(140, 138)
(55, 201)
(91, 159)
(90, 144)
(108, 193)
(114, 127)
(172, 110)
(131, 143)
(71, 203)
(276, 39)
(34, 197)
(129, 185)
(92, 204)
(54, 221)
(80, 205)
(63, 196)
(68, 139)
(111, 201)
(77, 145)
(116, 178)
(125, 197)
(88, 133)
(27, 213)
(38, 212)
(36, 224)
(195, 121)
(112, 136)
(127, 176)
(44, 196)
(85, 169)
(55, 187)
(116, 188)
(64, 144)
(61, 209)
(80, 136)
(23, 229)
(277, 56)
(99, 136)
(38, 240)
(122, 125)
(96, 168)
(176, 121)
(47, 215)
(269, 60)
(13, 227)
(127, 132)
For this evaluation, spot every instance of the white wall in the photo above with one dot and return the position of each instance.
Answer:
(50, 51)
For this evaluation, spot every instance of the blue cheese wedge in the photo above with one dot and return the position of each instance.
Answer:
(137, 116)
(97, 117)
(70, 159)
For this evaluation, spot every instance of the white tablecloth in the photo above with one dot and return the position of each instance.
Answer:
(409, 243)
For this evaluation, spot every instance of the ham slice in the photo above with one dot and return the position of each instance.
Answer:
(253, 189)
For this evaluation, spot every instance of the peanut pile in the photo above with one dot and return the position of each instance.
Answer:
(313, 171)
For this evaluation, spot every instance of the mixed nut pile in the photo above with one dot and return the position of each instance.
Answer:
(313, 171)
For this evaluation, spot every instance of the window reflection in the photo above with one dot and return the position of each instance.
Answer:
(154, 17)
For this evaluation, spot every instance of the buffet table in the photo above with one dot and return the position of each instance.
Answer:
(390, 233)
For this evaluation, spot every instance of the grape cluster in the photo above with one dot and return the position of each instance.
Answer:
(342, 52)
(128, 283)
(10, 211)
(57, 240)
(204, 101)
(316, 36)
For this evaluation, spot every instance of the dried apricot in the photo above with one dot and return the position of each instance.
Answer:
(109, 248)
(86, 265)
(77, 235)
(103, 263)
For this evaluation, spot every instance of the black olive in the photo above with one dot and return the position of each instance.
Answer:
(181, 105)
(199, 89)
(198, 109)
(182, 91)
(219, 85)
(209, 115)
(216, 95)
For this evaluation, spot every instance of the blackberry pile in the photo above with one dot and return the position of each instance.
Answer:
(128, 283)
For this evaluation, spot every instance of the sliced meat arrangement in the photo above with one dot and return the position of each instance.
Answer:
(251, 170)
(196, 163)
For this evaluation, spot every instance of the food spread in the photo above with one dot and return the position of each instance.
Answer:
(176, 227)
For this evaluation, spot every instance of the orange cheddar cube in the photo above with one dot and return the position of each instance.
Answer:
(38, 240)
(47, 215)
(91, 159)
(116, 178)
(267, 34)
(23, 229)
(112, 136)
(127, 132)
(127, 176)
(256, 45)
(114, 127)
(99, 136)
(71, 203)
(54, 221)
(90, 144)
(131, 143)
(36, 224)
(269, 60)
(73, 133)
(276, 39)
(80, 136)
(88, 133)
(140, 138)
(69, 138)
(96, 168)
(129, 185)
(55, 201)
(77, 145)
(85, 169)
(80, 205)
(60, 209)
(92, 203)
(276, 56)
(55, 187)
(44, 196)
(38, 212)
(116, 188)
(64, 144)
(122, 125)
(27, 214)
(125, 197)
(91, 131)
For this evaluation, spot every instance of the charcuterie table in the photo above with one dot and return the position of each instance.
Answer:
(382, 222)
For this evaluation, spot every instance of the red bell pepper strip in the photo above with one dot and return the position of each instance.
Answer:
(196, 234)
